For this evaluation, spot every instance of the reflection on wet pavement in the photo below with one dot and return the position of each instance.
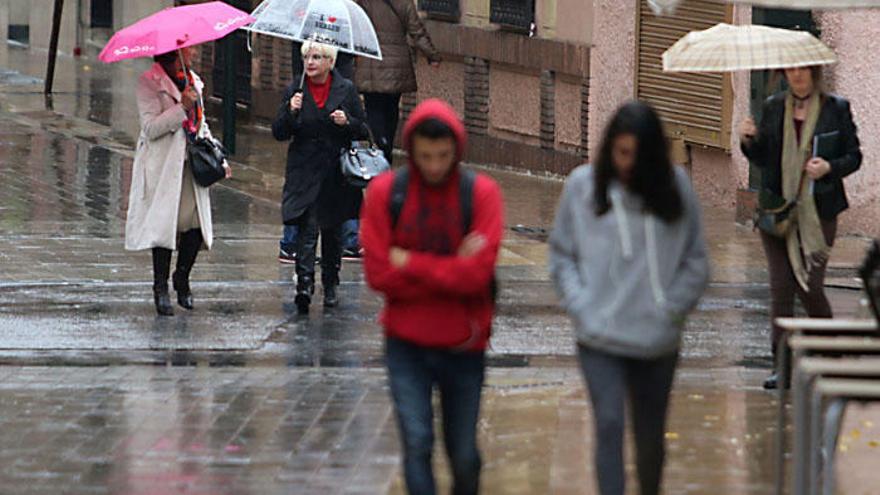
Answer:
(263, 430)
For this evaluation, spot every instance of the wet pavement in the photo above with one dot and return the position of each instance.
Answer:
(98, 395)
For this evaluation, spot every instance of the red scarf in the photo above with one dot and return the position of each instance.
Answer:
(320, 92)
(195, 115)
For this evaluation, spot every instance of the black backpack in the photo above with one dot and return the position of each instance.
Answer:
(466, 200)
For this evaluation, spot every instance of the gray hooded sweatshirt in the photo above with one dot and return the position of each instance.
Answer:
(627, 278)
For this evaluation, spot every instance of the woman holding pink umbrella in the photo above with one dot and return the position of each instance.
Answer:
(167, 209)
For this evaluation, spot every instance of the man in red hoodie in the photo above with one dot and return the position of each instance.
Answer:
(431, 235)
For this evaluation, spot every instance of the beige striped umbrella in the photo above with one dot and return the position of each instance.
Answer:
(813, 4)
(725, 48)
(664, 7)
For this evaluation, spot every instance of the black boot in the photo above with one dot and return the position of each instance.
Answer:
(305, 287)
(331, 300)
(161, 267)
(190, 243)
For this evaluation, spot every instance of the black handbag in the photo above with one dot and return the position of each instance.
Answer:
(206, 159)
(775, 216)
(362, 162)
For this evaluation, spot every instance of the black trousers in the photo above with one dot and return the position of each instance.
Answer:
(383, 115)
(307, 247)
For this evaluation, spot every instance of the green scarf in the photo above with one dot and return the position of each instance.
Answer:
(806, 244)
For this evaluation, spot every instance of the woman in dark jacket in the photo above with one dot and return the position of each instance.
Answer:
(321, 118)
(803, 131)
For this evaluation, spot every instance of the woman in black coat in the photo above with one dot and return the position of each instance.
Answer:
(321, 118)
(802, 131)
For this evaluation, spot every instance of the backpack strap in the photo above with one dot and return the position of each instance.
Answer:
(465, 191)
(398, 195)
(466, 200)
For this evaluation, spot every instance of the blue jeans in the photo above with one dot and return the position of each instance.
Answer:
(288, 239)
(350, 235)
(413, 372)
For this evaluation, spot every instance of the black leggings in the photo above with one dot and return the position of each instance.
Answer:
(307, 246)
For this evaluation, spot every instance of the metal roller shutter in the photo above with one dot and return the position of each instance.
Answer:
(695, 108)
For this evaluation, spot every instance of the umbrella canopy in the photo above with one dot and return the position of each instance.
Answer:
(813, 4)
(340, 23)
(725, 48)
(174, 28)
(668, 6)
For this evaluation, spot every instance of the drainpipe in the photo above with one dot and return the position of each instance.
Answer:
(230, 95)
(53, 45)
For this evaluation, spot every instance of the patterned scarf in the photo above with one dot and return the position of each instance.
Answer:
(195, 115)
(806, 244)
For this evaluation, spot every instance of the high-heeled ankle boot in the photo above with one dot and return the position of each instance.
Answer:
(305, 288)
(190, 243)
(161, 268)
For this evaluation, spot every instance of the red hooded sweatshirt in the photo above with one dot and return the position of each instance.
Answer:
(437, 299)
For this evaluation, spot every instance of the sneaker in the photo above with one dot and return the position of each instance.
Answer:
(287, 258)
(352, 254)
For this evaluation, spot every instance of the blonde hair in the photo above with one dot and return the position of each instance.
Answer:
(322, 49)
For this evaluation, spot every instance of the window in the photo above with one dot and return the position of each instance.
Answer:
(102, 13)
(518, 15)
(441, 9)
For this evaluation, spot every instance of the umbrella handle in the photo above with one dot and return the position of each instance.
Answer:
(184, 67)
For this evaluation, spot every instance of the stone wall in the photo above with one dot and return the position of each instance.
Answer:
(855, 37)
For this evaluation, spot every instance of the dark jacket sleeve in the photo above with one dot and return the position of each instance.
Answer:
(851, 154)
(286, 124)
(418, 33)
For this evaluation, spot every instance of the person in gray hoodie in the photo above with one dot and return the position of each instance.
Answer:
(629, 261)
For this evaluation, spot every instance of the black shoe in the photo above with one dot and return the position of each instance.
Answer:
(331, 300)
(184, 293)
(286, 258)
(303, 300)
(163, 302)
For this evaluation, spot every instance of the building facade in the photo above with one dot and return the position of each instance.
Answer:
(536, 80)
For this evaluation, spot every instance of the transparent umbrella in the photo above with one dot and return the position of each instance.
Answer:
(341, 23)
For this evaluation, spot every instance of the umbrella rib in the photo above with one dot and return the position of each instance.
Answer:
(350, 27)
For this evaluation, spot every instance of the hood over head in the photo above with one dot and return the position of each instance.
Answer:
(439, 110)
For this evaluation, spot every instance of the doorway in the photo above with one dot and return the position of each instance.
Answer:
(761, 80)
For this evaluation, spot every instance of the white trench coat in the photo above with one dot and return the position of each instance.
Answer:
(157, 174)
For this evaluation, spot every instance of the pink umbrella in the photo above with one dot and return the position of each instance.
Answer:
(174, 28)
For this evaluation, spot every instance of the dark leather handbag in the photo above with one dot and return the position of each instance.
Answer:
(776, 216)
(206, 159)
(362, 162)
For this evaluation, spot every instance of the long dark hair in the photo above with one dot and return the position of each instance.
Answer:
(653, 178)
